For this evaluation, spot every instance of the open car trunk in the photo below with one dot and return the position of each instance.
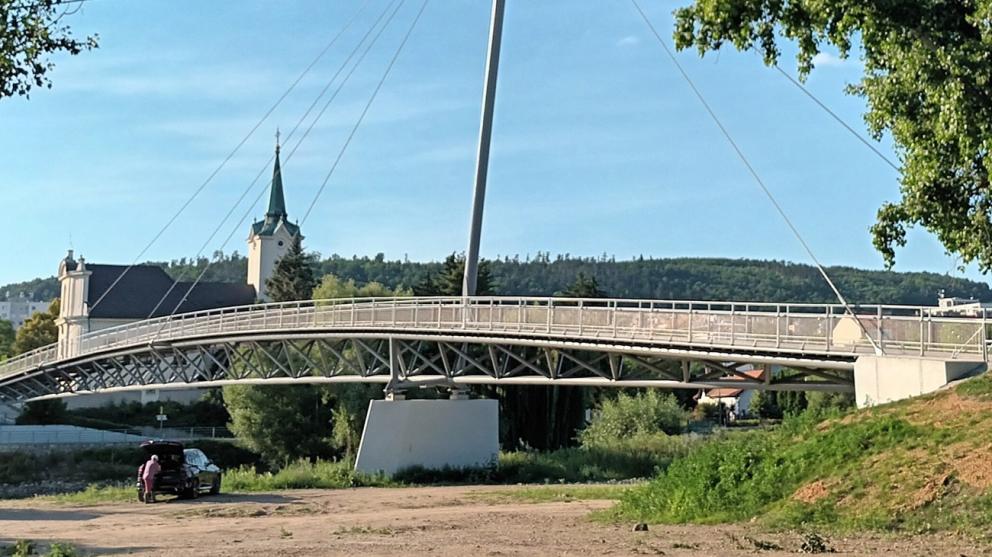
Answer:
(171, 459)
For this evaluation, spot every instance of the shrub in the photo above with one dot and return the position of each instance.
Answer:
(628, 417)
(301, 475)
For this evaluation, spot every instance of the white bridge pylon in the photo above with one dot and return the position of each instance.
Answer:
(451, 341)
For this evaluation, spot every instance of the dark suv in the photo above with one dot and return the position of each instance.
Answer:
(185, 472)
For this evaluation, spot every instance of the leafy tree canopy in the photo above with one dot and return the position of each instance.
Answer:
(43, 412)
(927, 81)
(7, 337)
(38, 330)
(30, 32)
(332, 287)
(282, 423)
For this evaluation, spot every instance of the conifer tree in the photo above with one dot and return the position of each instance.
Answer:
(293, 277)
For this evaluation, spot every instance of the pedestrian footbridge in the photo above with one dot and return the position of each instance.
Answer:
(457, 341)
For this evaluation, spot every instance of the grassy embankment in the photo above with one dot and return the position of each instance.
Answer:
(918, 465)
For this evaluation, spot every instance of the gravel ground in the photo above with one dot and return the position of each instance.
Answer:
(408, 521)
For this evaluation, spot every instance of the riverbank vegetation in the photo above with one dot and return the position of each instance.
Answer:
(918, 465)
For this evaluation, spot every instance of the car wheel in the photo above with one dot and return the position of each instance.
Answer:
(195, 490)
(215, 487)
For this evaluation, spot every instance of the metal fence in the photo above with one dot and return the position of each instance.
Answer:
(822, 329)
(72, 435)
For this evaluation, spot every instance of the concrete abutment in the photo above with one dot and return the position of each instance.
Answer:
(457, 433)
(881, 379)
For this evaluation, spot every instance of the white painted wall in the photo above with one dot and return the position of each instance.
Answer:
(17, 311)
(430, 433)
(263, 254)
(881, 379)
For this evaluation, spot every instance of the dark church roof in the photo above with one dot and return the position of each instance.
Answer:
(277, 207)
(141, 288)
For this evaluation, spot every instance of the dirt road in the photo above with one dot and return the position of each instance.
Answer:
(445, 521)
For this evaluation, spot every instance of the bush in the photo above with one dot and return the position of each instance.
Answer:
(641, 457)
(302, 475)
(628, 417)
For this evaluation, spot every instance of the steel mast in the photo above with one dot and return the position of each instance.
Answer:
(470, 281)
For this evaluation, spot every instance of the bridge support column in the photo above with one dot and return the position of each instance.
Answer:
(457, 433)
(881, 379)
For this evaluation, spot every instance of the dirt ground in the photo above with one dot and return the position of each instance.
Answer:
(446, 521)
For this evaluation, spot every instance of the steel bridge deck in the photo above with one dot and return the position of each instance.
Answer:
(492, 340)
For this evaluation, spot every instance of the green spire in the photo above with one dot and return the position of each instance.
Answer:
(277, 203)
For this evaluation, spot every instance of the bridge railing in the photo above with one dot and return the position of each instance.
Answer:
(798, 328)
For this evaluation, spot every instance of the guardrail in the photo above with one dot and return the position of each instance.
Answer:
(803, 328)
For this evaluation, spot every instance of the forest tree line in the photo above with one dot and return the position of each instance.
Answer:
(646, 278)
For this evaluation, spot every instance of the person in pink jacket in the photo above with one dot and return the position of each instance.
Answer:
(151, 469)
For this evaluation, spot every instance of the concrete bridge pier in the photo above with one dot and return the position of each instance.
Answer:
(399, 433)
(881, 379)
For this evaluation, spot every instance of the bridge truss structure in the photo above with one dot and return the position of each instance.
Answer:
(456, 341)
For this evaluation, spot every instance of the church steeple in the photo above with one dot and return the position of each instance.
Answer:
(277, 201)
(269, 239)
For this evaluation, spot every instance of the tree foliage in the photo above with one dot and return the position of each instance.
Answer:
(293, 277)
(280, 422)
(43, 412)
(38, 330)
(7, 336)
(927, 82)
(583, 287)
(644, 278)
(630, 416)
(332, 287)
(31, 31)
(447, 281)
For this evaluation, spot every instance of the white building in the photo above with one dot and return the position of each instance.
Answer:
(735, 400)
(18, 310)
(961, 307)
(98, 296)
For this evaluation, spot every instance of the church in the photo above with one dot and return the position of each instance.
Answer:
(99, 296)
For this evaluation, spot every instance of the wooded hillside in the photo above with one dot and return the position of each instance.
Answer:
(681, 278)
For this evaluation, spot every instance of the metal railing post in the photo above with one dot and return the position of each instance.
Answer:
(880, 341)
(922, 349)
(690, 321)
(733, 324)
(551, 307)
(985, 334)
(778, 326)
(830, 326)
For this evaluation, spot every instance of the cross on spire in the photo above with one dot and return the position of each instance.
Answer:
(277, 139)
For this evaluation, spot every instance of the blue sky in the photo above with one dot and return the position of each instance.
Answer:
(599, 146)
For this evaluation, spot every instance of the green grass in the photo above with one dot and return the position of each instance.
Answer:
(95, 494)
(302, 475)
(28, 548)
(907, 467)
(640, 457)
(562, 493)
(979, 387)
